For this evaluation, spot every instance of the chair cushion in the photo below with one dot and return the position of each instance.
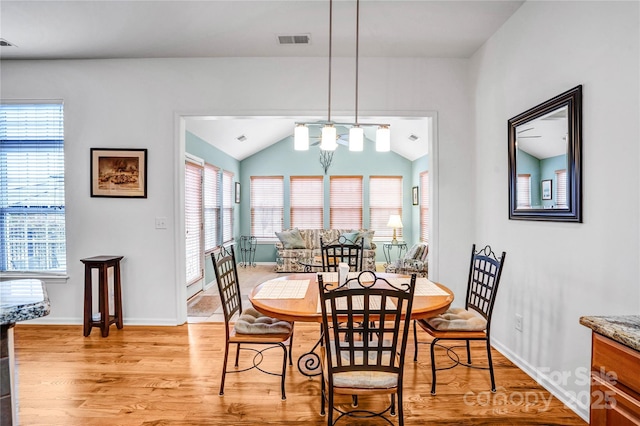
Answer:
(366, 379)
(253, 322)
(458, 319)
(291, 239)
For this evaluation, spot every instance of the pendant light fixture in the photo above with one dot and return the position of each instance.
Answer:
(329, 137)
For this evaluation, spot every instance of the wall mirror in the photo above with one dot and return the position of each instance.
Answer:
(545, 145)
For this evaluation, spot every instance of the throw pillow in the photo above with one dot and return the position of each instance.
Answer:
(350, 237)
(291, 239)
(367, 237)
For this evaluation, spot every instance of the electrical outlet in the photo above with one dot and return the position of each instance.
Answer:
(518, 323)
(161, 223)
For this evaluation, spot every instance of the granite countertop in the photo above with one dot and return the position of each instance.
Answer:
(22, 300)
(624, 329)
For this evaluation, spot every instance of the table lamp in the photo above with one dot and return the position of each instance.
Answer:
(394, 222)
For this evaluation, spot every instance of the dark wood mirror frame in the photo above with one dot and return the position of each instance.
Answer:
(572, 99)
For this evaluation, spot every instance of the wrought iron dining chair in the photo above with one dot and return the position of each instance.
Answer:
(463, 324)
(250, 327)
(374, 363)
(341, 251)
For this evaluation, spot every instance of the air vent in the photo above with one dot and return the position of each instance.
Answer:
(294, 39)
(413, 137)
(242, 138)
(5, 43)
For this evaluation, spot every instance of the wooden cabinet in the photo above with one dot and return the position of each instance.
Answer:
(615, 384)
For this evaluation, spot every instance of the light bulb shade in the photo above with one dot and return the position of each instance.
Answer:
(328, 142)
(301, 138)
(383, 139)
(394, 221)
(356, 138)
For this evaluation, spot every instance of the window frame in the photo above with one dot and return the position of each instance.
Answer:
(338, 187)
(26, 124)
(310, 202)
(277, 205)
(387, 205)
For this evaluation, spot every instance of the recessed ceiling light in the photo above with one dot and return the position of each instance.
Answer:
(242, 138)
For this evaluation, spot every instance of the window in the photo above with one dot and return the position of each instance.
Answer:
(227, 206)
(523, 189)
(307, 202)
(424, 207)
(561, 190)
(345, 202)
(32, 205)
(193, 221)
(267, 206)
(211, 207)
(385, 199)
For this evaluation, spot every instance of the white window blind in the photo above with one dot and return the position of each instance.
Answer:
(523, 191)
(345, 202)
(32, 204)
(385, 199)
(561, 190)
(211, 207)
(424, 207)
(267, 206)
(227, 206)
(307, 202)
(193, 221)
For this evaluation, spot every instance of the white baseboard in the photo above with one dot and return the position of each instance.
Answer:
(79, 321)
(542, 378)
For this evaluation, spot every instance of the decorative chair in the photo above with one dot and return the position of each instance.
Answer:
(251, 327)
(463, 324)
(341, 251)
(374, 362)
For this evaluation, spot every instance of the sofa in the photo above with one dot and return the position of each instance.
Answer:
(297, 244)
(414, 261)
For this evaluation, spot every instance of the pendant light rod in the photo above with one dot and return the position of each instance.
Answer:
(357, 52)
(330, 45)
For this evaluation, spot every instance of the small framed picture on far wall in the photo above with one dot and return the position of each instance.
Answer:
(546, 190)
(415, 195)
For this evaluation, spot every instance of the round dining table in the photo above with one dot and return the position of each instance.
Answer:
(304, 307)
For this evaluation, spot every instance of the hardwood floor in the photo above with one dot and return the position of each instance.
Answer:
(171, 376)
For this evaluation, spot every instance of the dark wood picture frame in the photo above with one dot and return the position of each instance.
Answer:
(118, 173)
(571, 100)
(237, 192)
(414, 195)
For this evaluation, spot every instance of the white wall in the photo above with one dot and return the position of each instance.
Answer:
(555, 272)
(134, 103)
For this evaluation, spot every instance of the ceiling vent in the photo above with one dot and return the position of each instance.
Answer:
(5, 43)
(413, 137)
(242, 138)
(294, 39)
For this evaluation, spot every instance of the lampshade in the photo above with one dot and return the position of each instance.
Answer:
(356, 138)
(383, 139)
(328, 142)
(394, 221)
(301, 138)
